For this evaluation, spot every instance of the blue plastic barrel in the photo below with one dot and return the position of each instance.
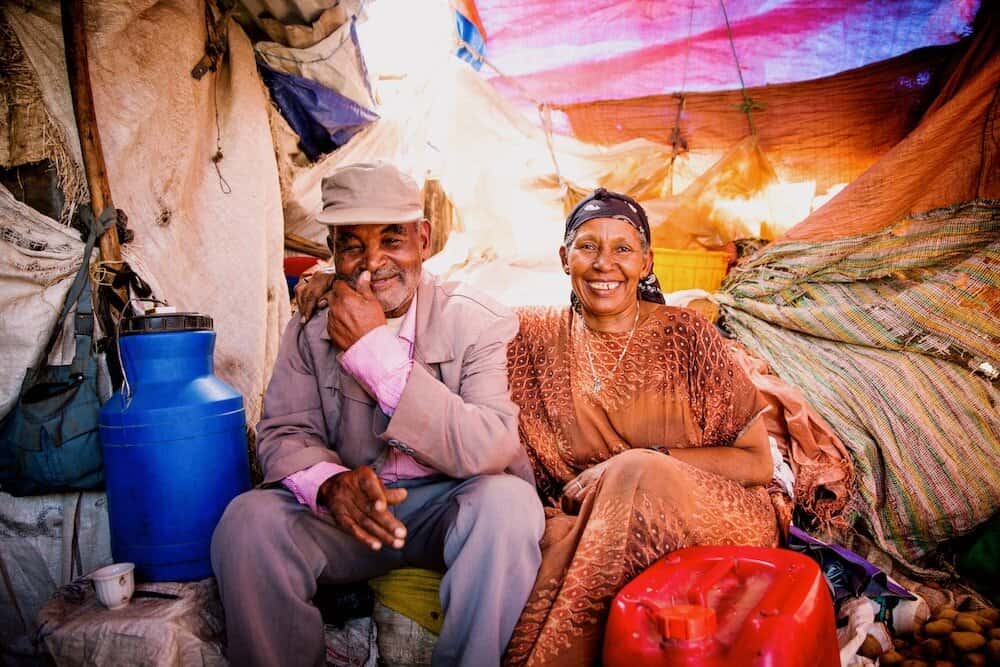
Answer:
(175, 448)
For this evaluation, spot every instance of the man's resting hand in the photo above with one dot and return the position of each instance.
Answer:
(359, 505)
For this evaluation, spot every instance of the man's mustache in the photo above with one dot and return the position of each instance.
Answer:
(381, 274)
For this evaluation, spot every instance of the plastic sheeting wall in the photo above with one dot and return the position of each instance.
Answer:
(206, 242)
(562, 52)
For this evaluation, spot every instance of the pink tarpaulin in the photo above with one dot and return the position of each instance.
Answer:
(566, 51)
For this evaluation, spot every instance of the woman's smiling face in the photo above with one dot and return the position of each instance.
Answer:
(605, 262)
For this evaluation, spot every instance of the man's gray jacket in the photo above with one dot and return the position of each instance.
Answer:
(455, 413)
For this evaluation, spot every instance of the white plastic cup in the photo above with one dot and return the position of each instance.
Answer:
(114, 584)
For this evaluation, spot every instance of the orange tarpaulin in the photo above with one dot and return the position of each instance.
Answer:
(828, 130)
(962, 133)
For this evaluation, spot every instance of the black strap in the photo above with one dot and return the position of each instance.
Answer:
(95, 227)
(84, 330)
(75, 559)
(125, 279)
(10, 592)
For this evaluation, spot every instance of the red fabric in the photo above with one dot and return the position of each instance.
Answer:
(467, 8)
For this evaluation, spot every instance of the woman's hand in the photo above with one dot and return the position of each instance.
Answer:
(575, 490)
(313, 290)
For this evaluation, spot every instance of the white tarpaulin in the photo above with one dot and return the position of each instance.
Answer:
(206, 241)
(501, 169)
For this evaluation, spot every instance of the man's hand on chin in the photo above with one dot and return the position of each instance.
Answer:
(359, 505)
(354, 311)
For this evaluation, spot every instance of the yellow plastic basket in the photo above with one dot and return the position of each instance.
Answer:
(689, 269)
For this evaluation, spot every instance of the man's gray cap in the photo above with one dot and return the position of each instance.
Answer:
(375, 193)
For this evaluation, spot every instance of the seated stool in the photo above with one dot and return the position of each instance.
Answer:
(404, 607)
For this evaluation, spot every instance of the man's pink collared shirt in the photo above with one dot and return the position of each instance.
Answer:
(380, 361)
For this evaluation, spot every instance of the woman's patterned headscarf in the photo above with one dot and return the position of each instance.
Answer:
(605, 204)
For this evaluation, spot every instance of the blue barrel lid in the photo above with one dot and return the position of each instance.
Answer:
(163, 322)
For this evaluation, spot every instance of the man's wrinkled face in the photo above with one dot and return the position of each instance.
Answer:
(394, 255)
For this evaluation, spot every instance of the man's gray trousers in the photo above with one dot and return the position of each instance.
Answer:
(269, 552)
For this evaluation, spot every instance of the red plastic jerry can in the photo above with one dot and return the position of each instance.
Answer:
(724, 607)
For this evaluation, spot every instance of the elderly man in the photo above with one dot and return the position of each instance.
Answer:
(388, 439)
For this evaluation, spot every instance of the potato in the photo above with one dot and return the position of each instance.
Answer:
(991, 613)
(974, 660)
(945, 612)
(968, 623)
(890, 659)
(899, 644)
(933, 648)
(966, 642)
(943, 663)
(871, 648)
(983, 619)
(941, 628)
(995, 633)
(993, 650)
(914, 663)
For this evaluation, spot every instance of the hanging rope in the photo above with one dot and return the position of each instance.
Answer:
(678, 144)
(218, 156)
(482, 59)
(216, 37)
(749, 104)
(545, 113)
(544, 110)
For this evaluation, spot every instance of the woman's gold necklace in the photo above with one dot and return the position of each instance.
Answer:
(590, 358)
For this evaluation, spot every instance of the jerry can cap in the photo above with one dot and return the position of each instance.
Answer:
(686, 622)
(166, 322)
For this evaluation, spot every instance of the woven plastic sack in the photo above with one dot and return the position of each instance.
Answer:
(38, 259)
(402, 642)
(414, 593)
(36, 550)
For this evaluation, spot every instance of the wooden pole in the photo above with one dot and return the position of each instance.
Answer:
(77, 65)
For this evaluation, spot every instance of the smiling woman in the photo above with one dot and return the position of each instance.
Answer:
(644, 434)
(606, 252)
(605, 261)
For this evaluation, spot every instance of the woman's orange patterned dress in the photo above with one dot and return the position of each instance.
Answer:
(676, 386)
